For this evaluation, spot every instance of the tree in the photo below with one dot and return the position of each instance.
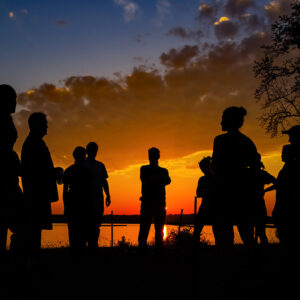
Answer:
(279, 73)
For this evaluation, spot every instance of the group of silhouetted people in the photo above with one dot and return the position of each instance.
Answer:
(232, 188)
(26, 213)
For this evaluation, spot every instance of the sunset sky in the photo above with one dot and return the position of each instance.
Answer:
(130, 75)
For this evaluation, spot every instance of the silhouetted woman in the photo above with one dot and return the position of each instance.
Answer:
(233, 155)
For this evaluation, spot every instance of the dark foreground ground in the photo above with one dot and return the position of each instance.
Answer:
(122, 273)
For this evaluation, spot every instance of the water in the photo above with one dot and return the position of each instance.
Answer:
(58, 237)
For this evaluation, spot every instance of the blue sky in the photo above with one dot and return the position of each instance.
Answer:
(48, 41)
(51, 40)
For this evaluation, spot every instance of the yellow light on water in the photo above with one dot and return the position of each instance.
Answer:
(165, 232)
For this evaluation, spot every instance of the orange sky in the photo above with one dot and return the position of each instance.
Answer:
(174, 104)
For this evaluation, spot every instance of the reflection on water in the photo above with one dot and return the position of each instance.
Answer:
(58, 237)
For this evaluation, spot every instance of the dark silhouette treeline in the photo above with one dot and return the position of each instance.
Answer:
(232, 190)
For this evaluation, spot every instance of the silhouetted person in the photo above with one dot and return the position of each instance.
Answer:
(99, 184)
(205, 190)
(285, 212)
(258, 179)
(154, 179)
(10, 192)
(233, 154)
(39, 182)
(8, 132)
(79, 204)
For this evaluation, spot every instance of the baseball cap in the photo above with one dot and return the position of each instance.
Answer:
(294, 130)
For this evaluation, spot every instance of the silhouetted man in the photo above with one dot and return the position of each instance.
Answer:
(154, 179)
(9, 187)
(99, 184)
(78, 203)
(287, 190)
(39, 181)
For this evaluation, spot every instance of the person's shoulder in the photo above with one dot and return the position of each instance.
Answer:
(163, 169)
(144, 167)
(69, 169)
(99, 164)
(220, 137)
(245, 137)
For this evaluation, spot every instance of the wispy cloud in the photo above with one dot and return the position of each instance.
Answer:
(163, 9)
(130, 9)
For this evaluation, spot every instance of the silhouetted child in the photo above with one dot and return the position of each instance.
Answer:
(259, 179)
(78, 203)
(284, 207)
(205, 190)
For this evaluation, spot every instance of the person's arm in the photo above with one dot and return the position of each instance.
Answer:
(216, 156)
(270, 188)
(167, 179)
(66, 193)
(106, 186)
(106, 190)
(268, 179)
(201, 189)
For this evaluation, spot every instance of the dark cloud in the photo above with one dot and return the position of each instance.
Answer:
(226, 29)
(277, 8)
(206, 11)
(177, 58)
(237, 7)
(252, 22)
(185, 33)
(178, 111)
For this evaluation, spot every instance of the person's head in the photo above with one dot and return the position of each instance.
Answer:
(8, 98)
(294, 135)
(233, 118)
(287, 153)
(79, 154)
(91, 150)
(204, 165)
(154, 155)
(38, 124)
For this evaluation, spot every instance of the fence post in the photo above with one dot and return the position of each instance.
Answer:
(180, 221)
(112, 228)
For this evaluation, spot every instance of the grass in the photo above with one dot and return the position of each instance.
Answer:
(122, 273)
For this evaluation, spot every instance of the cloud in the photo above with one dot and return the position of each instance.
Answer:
(237, 7)
(206, 11)
(225, 28)
(178, 111)
(276, 8)
(60, 23)
(163, 9)
(140, 37)
(179, 58)
(11, 15)
(130, 9)
(24, 11)
(185, 33)
(252, 22)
